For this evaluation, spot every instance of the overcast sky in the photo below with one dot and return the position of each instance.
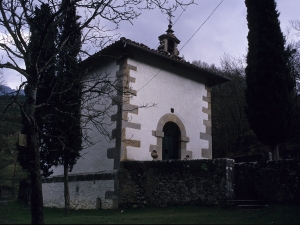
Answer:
(225, 32)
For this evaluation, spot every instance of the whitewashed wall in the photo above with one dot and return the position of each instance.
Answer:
(83, 194)
(167, 91)
(94, 158)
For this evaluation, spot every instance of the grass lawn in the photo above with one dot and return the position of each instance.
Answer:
(14, 212)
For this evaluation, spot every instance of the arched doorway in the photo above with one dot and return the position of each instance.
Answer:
(171, 141)
(157, 151)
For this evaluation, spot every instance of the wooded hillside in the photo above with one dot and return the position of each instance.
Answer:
(10, 124)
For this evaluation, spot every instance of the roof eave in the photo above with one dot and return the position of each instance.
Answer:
(121, 46)
(215, 79)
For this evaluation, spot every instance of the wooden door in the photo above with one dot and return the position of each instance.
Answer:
(171, 141)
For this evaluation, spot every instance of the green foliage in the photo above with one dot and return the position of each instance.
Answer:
(269, 85)
(204, 167)
(10, 174)
(67, 123)
(59, 89)
(229, 121)
(10, 125)
(232, 135)
(42, 52)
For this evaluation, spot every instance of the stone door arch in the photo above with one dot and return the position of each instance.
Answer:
(156, 150)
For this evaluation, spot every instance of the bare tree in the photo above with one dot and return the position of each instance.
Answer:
(2, 83)
(294, 44)
(14, 46)
(230, 129)
(293, 47)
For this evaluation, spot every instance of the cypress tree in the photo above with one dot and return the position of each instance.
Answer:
(69, 91)
(46, 79)
(39, 52)
(269, 86)
(59, 91)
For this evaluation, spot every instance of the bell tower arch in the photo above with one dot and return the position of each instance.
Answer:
(168, 42)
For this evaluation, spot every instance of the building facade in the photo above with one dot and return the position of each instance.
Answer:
(160, 111)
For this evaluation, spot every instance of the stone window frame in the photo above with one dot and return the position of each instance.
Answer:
(156, 150)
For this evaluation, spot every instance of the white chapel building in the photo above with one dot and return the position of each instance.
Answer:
(176, 126)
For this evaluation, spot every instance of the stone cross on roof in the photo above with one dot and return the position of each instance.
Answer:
(169, 13)
(168, 42)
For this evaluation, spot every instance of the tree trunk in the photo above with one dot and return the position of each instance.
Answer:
(13, 181)
(36, 199)
(275, 153)
(37, 214)
(66, 189)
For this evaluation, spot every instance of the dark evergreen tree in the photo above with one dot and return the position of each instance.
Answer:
(46, 79)
(269, 85)
(59, 92)
(42, 41)
(68, 97)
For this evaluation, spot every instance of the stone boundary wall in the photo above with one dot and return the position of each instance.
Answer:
(175, 182)
(277, 182)
(253, 158)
